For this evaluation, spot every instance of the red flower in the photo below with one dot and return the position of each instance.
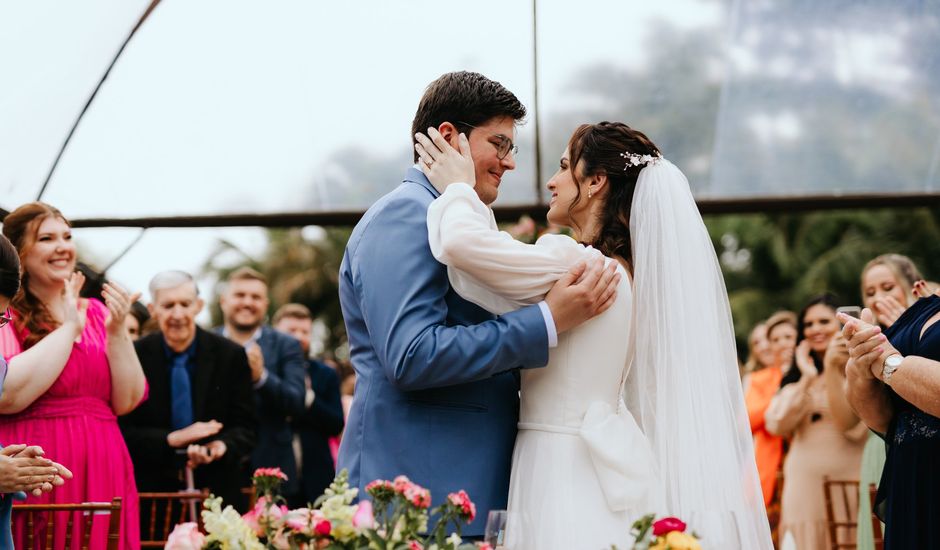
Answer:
(668, 525)
(323, 528)
(414, 545)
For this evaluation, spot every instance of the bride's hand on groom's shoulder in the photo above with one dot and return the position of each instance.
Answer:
(442, 164)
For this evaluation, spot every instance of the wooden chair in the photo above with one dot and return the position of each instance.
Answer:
(251, 494)
(841, 511)
(36, 512)
(161, 512)
(876, 530)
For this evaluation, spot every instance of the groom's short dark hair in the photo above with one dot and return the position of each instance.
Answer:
(464, 99)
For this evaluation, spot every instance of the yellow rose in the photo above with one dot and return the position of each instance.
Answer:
(675, 541)
(681, 541)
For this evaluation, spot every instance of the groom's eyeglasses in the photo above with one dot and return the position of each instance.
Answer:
(503, 144)
(5, 318)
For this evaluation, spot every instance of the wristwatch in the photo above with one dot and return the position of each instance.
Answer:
(892, 363)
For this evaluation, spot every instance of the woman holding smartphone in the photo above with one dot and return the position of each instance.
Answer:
(803, 412)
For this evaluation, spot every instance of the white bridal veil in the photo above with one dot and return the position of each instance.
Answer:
(684, 388)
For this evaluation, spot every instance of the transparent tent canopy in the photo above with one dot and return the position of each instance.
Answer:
(219, 107)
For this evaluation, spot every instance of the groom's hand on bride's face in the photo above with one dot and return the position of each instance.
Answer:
(586, 291)
(442, 164)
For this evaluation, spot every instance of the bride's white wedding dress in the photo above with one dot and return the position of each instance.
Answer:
(588, 462)
(572, 443)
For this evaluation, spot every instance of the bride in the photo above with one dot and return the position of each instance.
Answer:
(639, 410)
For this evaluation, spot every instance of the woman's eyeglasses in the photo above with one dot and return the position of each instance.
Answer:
(5, 318)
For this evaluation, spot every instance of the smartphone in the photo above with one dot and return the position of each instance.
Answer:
(851, 311)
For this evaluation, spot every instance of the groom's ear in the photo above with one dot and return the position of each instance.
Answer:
(450, 133)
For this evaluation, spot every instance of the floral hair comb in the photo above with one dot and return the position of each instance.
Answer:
(634, 159)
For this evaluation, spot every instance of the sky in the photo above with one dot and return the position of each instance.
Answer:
(222, 106)
(235, 106)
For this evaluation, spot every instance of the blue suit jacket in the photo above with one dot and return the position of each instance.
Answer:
(280, 398)
(436, 395)
(323, 420)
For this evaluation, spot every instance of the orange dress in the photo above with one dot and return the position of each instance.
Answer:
(768, 448)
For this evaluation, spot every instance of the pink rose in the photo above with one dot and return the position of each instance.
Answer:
(323, 528)
(401, 484)
(253, 520)
(185, 536)
(297, 520)
(418, 496)
(364, 518)
(668, 525)
(414, 545)
(484, 546)
(462, 500)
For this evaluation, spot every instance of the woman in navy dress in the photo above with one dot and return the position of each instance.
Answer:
(894, 384)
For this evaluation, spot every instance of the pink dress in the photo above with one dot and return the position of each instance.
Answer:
(74, 423)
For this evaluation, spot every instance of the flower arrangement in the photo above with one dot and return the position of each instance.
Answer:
(664, 534)
(395, 519)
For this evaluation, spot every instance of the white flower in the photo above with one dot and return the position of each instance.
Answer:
(454, 540)
(227, 527)
(634, 159)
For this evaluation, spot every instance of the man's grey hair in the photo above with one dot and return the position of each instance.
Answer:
(165, 280)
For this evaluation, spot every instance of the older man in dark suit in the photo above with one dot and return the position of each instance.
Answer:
(277, 372)
(200, 407)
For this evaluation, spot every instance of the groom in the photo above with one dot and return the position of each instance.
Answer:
(437, 395)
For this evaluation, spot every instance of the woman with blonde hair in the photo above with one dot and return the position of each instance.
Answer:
(72, 371)
(887, 289)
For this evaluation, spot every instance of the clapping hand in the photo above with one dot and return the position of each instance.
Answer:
(888, 309)
(837, 354)
(73, 308)
(868, 347)
(255, 361)
(205, 454)
(804, 360)
(119, 303)
(192, 433)
(23, 468)
(444, 165)
(922, 289)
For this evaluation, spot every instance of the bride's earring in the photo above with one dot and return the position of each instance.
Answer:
(590, 193)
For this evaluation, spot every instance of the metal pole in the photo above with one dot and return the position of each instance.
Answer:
(91, 98)
(535, 104)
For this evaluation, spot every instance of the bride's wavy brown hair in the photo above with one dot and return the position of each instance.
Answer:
(22, 228)
(600, 147)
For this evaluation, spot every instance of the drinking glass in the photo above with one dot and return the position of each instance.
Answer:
(496, 522)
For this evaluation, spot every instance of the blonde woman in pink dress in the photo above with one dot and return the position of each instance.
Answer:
(72, 371)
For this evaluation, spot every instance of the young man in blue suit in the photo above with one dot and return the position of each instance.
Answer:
(277, 372)
(436, 396)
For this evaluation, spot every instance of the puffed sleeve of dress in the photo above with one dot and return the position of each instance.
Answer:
(489, 267)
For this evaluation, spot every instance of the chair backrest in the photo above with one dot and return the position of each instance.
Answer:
(43, 516)
(161, 512)
(251, 494)
(877, 532)
(841, 511)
